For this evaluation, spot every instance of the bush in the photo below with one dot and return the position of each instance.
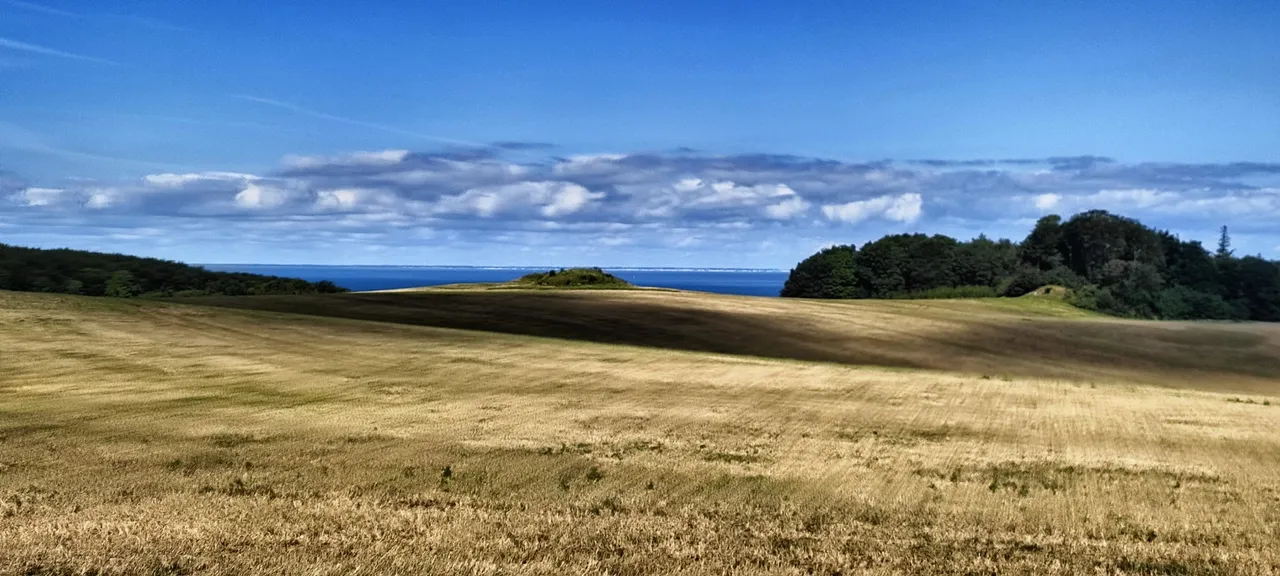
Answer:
(951, 293)
(122, 285)
(1086, 297)
(1025, 280)
(1028, 279)
(1182, 303)
(574, 278)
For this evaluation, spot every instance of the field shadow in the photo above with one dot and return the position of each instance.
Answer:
(1205, 356)
(584, 317)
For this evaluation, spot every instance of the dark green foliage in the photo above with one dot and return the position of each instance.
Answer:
(1041, 248)
(1113, 264)
(1134, 285)
(879, 267)
(905, 266)
(1190, 265)
(1187, 303)
(1259, 288)
(1092, 240)
(121, 284)
(831, 273)
(950, 292)
(120, 276)
(983, 262)
(1224, 245)
(1026, 278)
(574, 278)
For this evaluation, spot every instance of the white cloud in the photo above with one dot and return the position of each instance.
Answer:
(688, 184)
(261, 196)
(906, 208)
(169, 180)
(551, 199)
(100, 198)
(673, 201)
(377, 158)
(41, 196)
(777, 201)
(587, 163)
(787, 209)
(1047, 201)
(344, 198)
(903, 208)
(51, 198)
(1113, 199)
(568, 199)
(1135, 197)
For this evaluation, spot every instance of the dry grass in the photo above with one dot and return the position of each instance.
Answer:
(1022, 337)
(144, 438)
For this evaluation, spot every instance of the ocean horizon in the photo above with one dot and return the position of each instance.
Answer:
(360, 278)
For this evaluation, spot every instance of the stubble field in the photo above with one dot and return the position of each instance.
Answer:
(630, 433)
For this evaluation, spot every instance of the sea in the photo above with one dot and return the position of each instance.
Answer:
(743, 281)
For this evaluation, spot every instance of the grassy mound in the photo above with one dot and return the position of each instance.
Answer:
(1050, 291)
(573, 278)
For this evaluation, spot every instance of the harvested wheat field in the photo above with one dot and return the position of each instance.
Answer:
(630, 433)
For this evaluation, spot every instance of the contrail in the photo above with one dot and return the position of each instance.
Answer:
(44, 9)
(143, 21)
(325, 116)
(34, 49)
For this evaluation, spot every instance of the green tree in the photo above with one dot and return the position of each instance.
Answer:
(89, 273)
(1114, 265)
(1190, 265)
(1260, 288)
(1093, 239)
(879, 268)
(828, 274)
(1042, 247)
(982, 262)
(1224, 245)
(929, 262)
(1135, 285)
(122, 285)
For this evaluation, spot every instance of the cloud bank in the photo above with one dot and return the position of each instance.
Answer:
(678, 201)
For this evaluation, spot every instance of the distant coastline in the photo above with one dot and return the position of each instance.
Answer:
(360, 278)
(465, 267)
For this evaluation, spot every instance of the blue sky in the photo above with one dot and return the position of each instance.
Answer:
(624, 133)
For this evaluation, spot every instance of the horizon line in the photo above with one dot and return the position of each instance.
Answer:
(486, 267)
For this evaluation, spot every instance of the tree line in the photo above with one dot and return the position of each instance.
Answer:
(97, 274)
(1110, 263)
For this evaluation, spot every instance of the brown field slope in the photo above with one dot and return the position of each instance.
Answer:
(151, 438)
(1019, 337)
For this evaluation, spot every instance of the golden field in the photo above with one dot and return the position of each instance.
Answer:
(630, 432)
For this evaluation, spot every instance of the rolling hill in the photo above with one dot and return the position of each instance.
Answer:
(1025, 337)
(629, 432)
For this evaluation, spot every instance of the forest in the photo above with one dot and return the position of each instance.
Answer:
(98, 274)
(1109, 263)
